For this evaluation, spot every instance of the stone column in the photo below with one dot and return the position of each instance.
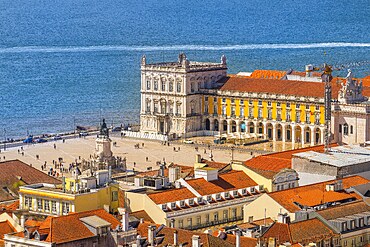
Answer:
(264, 130)
(312, 129)
(237, 126)
(274, 131)
(255, 128)
(293, 134)
(283, 134)
(211, 124)
(302, 135)
(228, 126)
(322, 135)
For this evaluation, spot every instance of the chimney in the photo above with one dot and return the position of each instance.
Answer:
(198, 158)
(138, 241)
(173, 173)
(141, 220)
(23, 221)
(237, 235)
(109, 174)
(172, 224)
(124, 220)
(151, 235)
(283, 218)
(195, 241)
(175, 238)
(309, 69)
(161, 170)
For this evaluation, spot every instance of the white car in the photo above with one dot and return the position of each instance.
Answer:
(188, 142)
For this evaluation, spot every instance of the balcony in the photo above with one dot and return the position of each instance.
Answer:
(213, 223)
(278, 118)
(215, 114)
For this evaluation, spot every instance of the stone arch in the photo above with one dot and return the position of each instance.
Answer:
(216, 127)
(251, 127)
(297, 131)
(224, 125)
(260, 128)
(317, 135)
(233, 126)
(208, 124)
(288, 133)
(270, 132)
(307, 135)
(279, 132)
(243, 126)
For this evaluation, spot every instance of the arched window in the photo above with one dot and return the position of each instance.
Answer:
(163, 86)
(148, 82)
(170, 86)
(156, 85)
(345, 129)
(179, 87)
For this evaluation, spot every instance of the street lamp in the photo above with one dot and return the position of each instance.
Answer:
(4, 139)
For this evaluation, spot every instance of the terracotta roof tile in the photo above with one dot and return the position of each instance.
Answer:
(309, 230)
(228, 181)
(268, 74)
(5, 228)
(344, 210)
(142, 214)
(171, 195)
(280, 87)
(316, 194)
(279, 231)
(184, 236)
(15, 173)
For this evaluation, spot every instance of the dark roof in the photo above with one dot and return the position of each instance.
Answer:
(344, 210)
(15, 173)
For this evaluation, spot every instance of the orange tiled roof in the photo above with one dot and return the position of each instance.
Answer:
(270, 164)
(184, 236)
(268, 74)
(228, 181)
(366, 81)
(310, 230)
(279, 231)
(5, 228)
(344, 210)
(316, 194)
(256, 223)
(142, 214)
(302, 232)
(281, 87)
(15, 173)
(171, 195)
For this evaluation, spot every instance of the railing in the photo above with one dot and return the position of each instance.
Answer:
(213, 223)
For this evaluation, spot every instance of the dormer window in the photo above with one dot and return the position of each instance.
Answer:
(235, 193)
(252, 189)
(173, 204)
(218, 197)
(227, 194)
(164, 206)
(209, 198)
(244, 191)
(182, 203)
(200, 199)
(191, 201)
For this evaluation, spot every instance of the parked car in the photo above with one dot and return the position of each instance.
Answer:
(57, 137)
(41, 140)
(188, 141)
(116, 129)
(83, 133)
(29, 139)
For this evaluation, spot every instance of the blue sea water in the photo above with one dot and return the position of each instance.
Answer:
(73, 61)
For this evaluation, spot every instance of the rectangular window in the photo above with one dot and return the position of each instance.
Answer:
(181, 224)
(163, 86)
(232, 101)
(27, 202)
(234, 213)
(297, 106)
(250, 102)
(259, 112)
(307, 107)
(215, 109)
(287, 105)
(269, 103)
(298, 117)
(351, 129)
(65, 207)
(278, 104)
(241, 102)
(148, 84)
(250, 112)
(190, 222)
(182, 203)
(223, 100)
(179, 87)
(218, 197)
(206, 108)
(224, 110)
(287, 116)
(207, 218)
(47, 205)
(340, 128)
(215, 216)
(260, 102)
(53, 206)
(199, 220)
(317, 107)
(241, 111)
(155, 85)
(39, 204)
(226, 215)
(345, 129)
(114, 196)
(206, 98)
(233, 111)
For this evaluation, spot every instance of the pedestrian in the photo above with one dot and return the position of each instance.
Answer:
(22, 153)
(146, 159)
(134, 164)
(205, 151)
(37, 156)
(174, 149)
(178, 149)
(142, 144)
(19, 151)
(168, 143)
(55, 146)
(22, 148)
(64, 140)
(4, 157)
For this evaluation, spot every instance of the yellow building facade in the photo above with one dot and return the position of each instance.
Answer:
(286, 119)
(48, 199)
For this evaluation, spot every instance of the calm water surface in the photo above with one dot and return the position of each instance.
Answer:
(73, 61)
